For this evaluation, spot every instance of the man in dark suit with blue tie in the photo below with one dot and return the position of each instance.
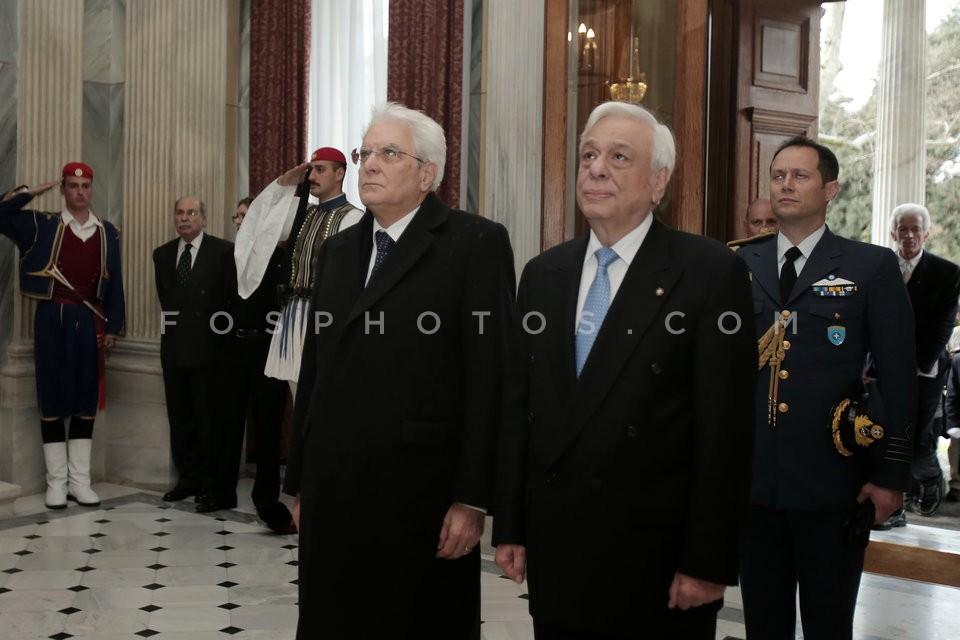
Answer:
(822, 303)
(196, 279)
(398, 403)
(624, 460)
(934, 286)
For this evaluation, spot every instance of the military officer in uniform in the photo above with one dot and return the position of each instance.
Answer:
(823, 303)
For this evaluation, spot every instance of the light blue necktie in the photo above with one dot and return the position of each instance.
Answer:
(594, 307)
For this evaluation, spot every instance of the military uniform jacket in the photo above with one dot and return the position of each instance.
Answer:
(39, 235)
(796, 465)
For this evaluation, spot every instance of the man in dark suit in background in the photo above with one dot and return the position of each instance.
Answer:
(625, 466)
(934, 286)
(827, 301)
(395, 420)
(196, 279)
(255, 320)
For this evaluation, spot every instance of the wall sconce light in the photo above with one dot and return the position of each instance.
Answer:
(587, 39)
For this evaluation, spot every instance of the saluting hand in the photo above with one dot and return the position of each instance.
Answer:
(294, 176)
(42, 188)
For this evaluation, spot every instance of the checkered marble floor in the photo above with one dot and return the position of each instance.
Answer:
(140, 568)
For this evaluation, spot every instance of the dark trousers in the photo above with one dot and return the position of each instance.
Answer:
(784, 549)
(925, 467)
(245, 387)
(192, 394)
(699, 623)
(67, 360)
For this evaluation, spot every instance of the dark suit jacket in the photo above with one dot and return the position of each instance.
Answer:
(394, 423)
(190, 341)
(796, 465)
(934, 288)
(639, 468)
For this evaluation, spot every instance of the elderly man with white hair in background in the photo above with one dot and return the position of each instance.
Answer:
(934, 286)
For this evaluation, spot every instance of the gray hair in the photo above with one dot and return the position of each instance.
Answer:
(429, 141)
(203, 207)
(663, 155)
(908, 208)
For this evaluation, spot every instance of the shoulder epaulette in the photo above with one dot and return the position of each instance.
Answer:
(760, 237)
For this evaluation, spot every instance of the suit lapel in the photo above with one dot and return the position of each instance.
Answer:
(558, 300)
(647, 286)
(915, 284)
(764, 256)
(168, 265)
(416, 238)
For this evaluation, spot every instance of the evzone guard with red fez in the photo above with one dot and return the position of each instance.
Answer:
(280, 214)
(70, 263)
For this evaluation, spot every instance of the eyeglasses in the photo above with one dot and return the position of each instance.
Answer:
(387, 155)
(238, 216)
(193, 213)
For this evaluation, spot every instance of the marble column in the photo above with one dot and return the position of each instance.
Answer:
(143, 90)
(179, 135)
(49, 91)
(510, 169)
(9, 71)
(899, 164)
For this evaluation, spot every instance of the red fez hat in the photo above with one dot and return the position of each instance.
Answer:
(77, 169)
(328, 153)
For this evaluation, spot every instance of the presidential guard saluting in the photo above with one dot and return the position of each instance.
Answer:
(70, 263)
(280, 214)
(830, 459)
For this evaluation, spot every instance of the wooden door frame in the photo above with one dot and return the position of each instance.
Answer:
(690, 100)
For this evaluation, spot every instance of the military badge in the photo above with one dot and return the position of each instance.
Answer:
(836, 334)
(854, 423)
(833, 287)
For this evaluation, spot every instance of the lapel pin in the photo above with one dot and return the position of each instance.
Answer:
(659, 291)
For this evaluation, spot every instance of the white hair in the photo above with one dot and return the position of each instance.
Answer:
(429, 141)
(663, 155)
(910, 208)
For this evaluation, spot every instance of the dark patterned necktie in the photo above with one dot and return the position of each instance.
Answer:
(788, 274)
(384, 244)
(184, 264)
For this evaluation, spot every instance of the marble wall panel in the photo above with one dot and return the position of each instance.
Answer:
(8, 31)
(475, 99)
(21, 453)
(136, 438)
(8, 171)
(103, 146)
(513, 121)
(103, 41)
